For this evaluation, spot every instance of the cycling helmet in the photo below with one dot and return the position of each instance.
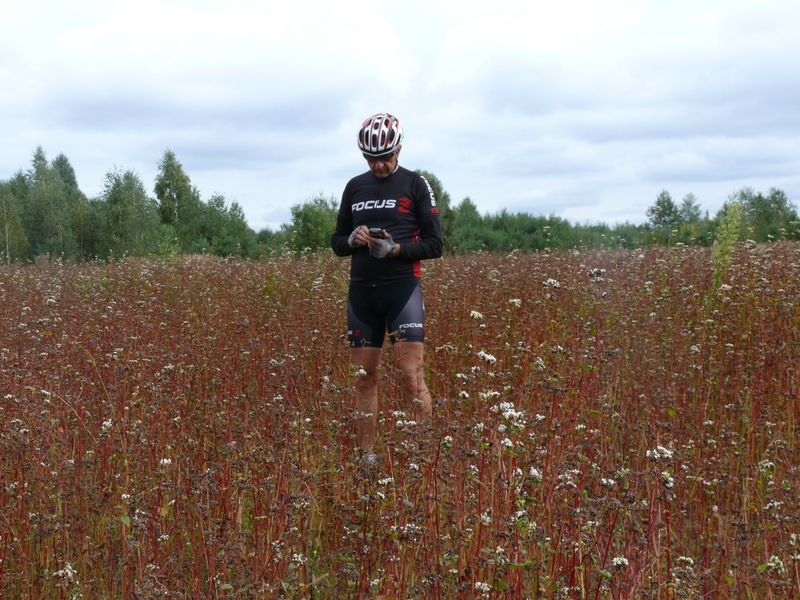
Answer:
(380, 134)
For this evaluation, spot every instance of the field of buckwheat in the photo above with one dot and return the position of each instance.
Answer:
(608, 424)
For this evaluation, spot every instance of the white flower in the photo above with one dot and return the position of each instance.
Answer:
(515, 418)
(619, 562)
(515, 302)
(463, 394)
(66, 575)
(765, 466)
(658, 453)
(535, 474)
(165, 462)
(485, 356)
(476, 315)
(551, 283)
(776, 564)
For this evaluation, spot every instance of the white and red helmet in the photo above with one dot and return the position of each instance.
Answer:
(380, 134)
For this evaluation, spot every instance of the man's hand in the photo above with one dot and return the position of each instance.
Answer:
(355, 240)
(382, 247)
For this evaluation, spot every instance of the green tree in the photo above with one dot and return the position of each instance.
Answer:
(768, 217)
(49, 206)
(84, 227)
(172, 188)
(313, 223)
(227, 229)
(129, 217)
(179, 204)
(76, 204)
(62, 166)
(689, 210)
(689, 223)
(14, 241)
(241, 232)
(664, 213)
(664, 217)
(467, 227)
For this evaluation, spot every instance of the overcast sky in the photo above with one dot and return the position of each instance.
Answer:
(578, 108)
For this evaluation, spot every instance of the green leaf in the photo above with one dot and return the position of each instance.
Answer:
(528, 564)
(499, 585)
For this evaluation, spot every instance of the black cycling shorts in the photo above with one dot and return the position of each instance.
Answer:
(396, 307)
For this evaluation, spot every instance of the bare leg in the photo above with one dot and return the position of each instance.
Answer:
(408, 358)
(366, 362)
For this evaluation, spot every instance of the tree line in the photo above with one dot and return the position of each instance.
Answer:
(765, 218)
(43, 212)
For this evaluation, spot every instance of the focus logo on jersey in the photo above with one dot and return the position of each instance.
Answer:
(370, 204)
(430, 191)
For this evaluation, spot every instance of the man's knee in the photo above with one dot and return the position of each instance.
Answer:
(411, 378)
(367, 378)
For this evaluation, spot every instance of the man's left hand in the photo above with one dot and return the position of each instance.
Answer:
(382, 247)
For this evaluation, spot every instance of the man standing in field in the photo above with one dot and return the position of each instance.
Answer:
(387, 223)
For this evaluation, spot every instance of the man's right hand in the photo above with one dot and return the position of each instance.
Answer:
(359, 237)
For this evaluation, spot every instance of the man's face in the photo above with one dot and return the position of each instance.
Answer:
(382, 166)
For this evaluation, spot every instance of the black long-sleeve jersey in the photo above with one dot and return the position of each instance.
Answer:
(403, 204)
